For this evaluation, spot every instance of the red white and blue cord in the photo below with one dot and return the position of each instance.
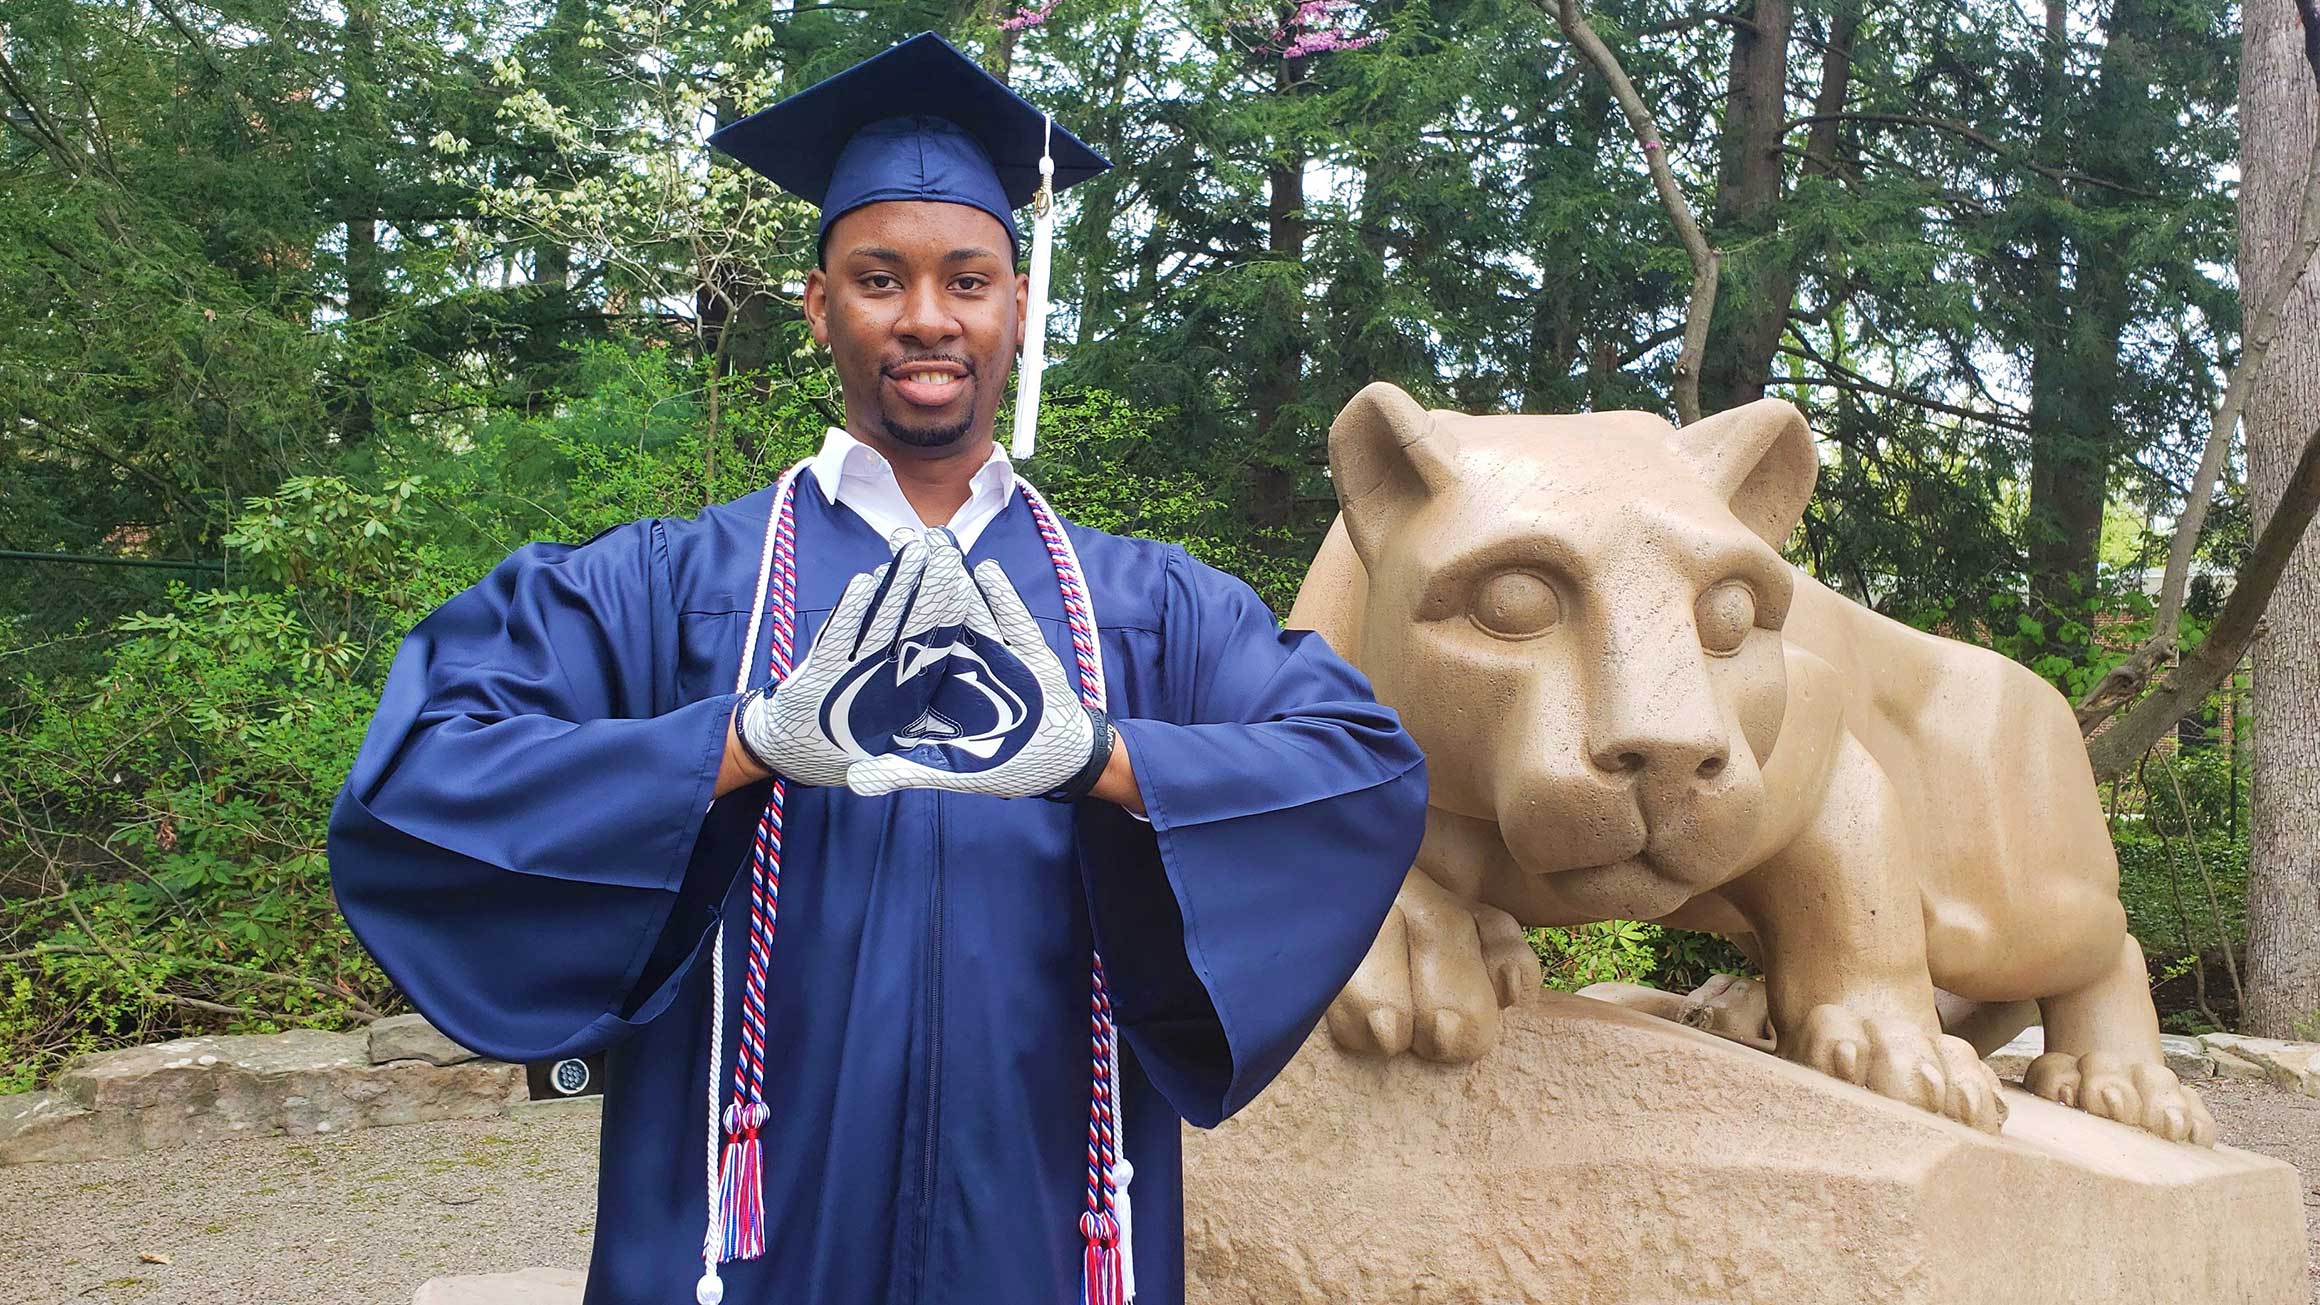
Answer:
(736, 1173)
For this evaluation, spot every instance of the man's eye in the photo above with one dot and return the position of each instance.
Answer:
(970, 284)
(880, 281)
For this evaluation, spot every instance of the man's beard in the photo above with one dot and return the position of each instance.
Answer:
(929, 437)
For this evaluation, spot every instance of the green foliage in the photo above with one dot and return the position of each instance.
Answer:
(1608, 951)
(1107, 464)
(164, 823)
(1625, 951)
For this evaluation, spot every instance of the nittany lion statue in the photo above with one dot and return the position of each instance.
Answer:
(1632, 708)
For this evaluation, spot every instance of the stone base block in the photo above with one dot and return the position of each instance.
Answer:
(534, 1286)
(37, 1126)
(197, 1089)
(411, 1037)
(1600, 1155)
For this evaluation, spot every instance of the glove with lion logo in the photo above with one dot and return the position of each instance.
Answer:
(1003, 719)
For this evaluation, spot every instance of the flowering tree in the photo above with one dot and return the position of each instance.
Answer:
(625, 182)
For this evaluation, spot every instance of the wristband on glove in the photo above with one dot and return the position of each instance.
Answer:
(1083, 782)
(740, 712)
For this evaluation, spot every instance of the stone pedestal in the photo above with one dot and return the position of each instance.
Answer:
(1600, 1155)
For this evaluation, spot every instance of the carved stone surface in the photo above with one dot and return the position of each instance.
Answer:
(1633, 708)
(1603, 1155)
(533, 1286)
(411, 1037)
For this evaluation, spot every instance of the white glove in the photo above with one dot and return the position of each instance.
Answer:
(805, 728)
(1006, 720)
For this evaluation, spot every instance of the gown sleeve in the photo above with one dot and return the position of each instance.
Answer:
(521, 814)
(1285, 806)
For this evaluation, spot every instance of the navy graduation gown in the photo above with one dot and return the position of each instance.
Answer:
(528, 847)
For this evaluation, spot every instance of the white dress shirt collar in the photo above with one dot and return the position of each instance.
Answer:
(856, 476)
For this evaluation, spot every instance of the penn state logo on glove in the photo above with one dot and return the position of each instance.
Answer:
(949, 693)
(1005, 721)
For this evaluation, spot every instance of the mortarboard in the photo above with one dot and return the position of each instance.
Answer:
(924, 122)
(920, 121)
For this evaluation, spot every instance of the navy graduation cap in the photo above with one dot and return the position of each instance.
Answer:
(921, 121)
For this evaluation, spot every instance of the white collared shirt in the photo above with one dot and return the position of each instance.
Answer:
(857, 476)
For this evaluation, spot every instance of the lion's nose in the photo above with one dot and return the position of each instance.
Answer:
(1704, 759)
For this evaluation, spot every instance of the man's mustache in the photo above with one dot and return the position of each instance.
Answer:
(966, 365)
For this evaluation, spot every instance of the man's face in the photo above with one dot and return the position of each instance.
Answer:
(921, 306)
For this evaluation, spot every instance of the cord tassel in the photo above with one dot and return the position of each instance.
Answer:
(1102, 1281)
(1034, 360)
(741, 1185)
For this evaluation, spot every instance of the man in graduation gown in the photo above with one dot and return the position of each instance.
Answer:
(548, 835)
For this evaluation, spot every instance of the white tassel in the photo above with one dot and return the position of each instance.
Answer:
(1034, 360)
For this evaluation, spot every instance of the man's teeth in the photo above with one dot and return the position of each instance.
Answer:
(930, 378)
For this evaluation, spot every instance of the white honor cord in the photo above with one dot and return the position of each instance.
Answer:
(1034, 360)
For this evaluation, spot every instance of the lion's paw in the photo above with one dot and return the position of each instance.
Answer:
(2140, 1093)
(1734, 1007)
(1435, 979)
(1896, 1058)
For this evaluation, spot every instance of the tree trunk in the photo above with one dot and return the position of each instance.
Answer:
(736, 308)
(1093, 228)
(2277, 106)
(1748, 208)
(2075, 374)
(1553, 380)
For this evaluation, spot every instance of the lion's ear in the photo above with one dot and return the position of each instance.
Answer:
(1760, 457)
(1387, 457)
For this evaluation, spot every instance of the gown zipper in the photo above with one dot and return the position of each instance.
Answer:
(934, 1056)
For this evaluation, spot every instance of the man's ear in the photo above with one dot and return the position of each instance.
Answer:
(1760, 457)
(1023, 307)
(1387, 458)
(817, 304)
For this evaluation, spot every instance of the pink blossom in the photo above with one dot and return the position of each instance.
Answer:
(1313, 27)
(1027, 16)
(1324, 42)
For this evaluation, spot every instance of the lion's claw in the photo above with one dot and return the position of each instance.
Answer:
(2139, 1093)
(1898, 1059)
(1435, 979)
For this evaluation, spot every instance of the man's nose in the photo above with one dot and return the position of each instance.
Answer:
(926, 319)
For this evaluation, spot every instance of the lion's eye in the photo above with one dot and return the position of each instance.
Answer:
(1516, 605)
(1726, 613)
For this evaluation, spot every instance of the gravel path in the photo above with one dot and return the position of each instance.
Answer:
(363, 1219)
(358, 1219)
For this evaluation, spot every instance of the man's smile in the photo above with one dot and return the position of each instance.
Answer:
(928, 384)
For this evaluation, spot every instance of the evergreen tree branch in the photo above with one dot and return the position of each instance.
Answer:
(1844, 378)
(1978, 137)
